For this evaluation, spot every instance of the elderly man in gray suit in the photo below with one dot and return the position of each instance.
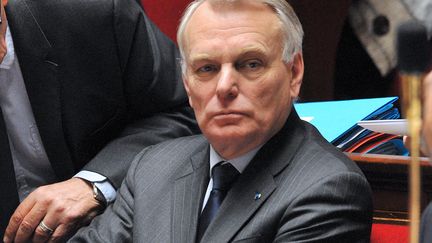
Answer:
(258, 173)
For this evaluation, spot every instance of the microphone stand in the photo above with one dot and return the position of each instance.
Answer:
(412, 60)
(411, 92)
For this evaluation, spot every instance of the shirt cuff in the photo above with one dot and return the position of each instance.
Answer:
(101, 182)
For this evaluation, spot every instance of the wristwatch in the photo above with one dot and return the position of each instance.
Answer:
(98, 195)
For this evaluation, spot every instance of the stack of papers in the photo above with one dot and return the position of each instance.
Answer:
(338, 123)
(397, 127)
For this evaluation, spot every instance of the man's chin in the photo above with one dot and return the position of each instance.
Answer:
(229, 135)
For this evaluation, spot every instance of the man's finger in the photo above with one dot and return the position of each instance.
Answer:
(30, 222)
(63, 232)
(50, 226)
(17, 219)
(66, 229)
(42, 233)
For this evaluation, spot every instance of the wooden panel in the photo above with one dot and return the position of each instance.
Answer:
(388, 177)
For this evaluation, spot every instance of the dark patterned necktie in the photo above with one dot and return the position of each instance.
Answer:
(223, 176)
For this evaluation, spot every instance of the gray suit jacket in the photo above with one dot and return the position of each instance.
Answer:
(310, 193)
(426, 225)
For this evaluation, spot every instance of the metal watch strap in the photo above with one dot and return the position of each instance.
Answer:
(97, 194)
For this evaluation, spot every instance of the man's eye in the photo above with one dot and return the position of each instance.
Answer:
(251, 64)
(206, 69)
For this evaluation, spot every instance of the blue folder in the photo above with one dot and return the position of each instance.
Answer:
(334, 119)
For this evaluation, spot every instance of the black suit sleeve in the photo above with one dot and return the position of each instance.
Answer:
(156, 99)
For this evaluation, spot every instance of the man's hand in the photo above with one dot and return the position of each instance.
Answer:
(426, 143)
(427, 111)
(3, 25)
(63, 207)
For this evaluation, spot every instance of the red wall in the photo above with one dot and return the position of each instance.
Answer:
(165, 14)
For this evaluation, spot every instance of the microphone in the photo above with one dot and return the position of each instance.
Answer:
(413, 47)
(413, 56)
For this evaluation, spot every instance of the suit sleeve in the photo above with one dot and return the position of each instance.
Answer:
(157, 102)
(337, 208)
(426, 225)
(119, 215)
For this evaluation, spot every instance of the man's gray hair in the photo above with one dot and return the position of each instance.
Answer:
(291, 26)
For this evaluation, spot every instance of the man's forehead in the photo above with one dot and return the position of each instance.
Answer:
(206, 24)
(226, 4)
(212, 53)
(226, 10)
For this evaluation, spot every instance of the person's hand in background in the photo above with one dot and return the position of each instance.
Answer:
(426, 141)
(3, 24)
(427, 113)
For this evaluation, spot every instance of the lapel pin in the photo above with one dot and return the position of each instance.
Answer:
(257, 196)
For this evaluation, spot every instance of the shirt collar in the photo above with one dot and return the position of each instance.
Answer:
(10, 55)
(240, 163)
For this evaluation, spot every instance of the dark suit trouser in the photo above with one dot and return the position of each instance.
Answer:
(8, 192)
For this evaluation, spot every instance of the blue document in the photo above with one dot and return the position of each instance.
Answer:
(334, 119)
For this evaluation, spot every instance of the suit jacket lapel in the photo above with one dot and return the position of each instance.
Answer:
(189, 191)
(39, 68)
(257, 182)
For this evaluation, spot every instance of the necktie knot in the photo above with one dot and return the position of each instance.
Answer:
(223, 176)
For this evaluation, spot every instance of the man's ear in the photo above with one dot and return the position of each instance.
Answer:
(297, 70)
(187, 88)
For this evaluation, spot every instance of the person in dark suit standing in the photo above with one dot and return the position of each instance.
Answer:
(84, 85)
(258, 173)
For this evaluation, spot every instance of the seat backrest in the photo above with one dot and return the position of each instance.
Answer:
(389, 233)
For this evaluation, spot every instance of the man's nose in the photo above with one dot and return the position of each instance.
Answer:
(227, 88)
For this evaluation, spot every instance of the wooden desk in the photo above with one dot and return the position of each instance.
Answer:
(388, 177)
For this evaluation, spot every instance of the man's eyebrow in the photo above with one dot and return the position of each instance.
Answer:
(244, 52)
(199, 57)
(251, 50)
